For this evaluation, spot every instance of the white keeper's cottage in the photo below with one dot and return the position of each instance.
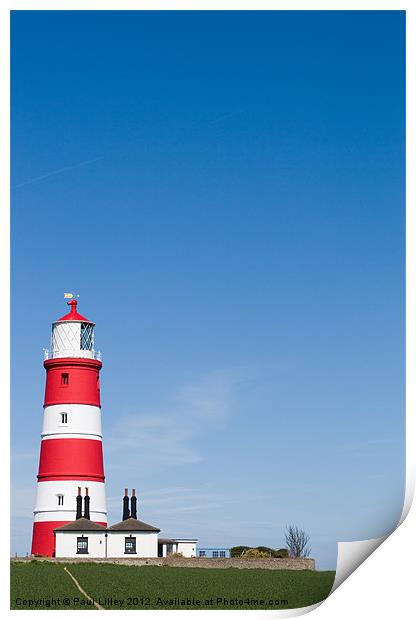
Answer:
(129, 538)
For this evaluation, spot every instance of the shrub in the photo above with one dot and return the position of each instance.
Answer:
(281, 553)
(258, 552)
(177, 554)
(255, 553)
(236, 552)
(267, 550)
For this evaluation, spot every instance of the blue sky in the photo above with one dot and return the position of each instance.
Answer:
(226, 192)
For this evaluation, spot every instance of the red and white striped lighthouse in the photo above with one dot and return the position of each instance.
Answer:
(71, 454)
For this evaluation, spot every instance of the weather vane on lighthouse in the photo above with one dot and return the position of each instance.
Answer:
(70, 295)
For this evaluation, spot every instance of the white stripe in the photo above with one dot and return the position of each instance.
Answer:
(42, 517)
(71, 436)
(80, 419)
(47, 499)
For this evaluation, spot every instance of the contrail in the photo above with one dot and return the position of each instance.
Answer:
(51, 174)
(225, 116)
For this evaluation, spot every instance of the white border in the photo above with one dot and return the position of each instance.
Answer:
(382, 586)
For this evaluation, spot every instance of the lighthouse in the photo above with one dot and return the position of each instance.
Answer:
(71, 470)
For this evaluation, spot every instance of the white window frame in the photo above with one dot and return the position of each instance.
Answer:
(133, 540)
(82, 549)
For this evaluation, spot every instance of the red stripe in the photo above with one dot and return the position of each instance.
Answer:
(70, 477)
(43, 540)
(70, 458)
(72, 381)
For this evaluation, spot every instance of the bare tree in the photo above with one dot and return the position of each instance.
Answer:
(297, 542)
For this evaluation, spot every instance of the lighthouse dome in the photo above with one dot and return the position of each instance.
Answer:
(73, 335)
(73, 314)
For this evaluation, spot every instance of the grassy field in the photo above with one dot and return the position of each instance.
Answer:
(35, 583)
(164, 587)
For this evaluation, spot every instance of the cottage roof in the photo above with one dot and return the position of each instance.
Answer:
(166, 541)
(130, 525)
(79, 525)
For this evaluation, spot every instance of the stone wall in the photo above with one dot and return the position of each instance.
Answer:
(265, 563)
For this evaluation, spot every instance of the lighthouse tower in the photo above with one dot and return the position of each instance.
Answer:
(71, 455)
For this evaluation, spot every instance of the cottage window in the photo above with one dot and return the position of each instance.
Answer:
(202, 554)
(215, 554)
(130, 544)
(82, 544)
(222, 554)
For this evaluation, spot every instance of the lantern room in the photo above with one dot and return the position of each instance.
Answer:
(72, 336)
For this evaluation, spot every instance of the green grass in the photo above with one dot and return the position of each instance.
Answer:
(36, 585)
(164, 587)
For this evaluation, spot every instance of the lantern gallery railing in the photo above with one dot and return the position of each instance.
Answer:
(95, 355)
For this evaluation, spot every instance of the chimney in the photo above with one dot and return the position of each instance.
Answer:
(126, 511)
(79, 504)
(86, 504)
(133, 502)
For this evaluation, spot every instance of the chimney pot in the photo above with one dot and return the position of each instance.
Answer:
(79, 504)
(133, 503)
(126, 511)
(86, 504)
